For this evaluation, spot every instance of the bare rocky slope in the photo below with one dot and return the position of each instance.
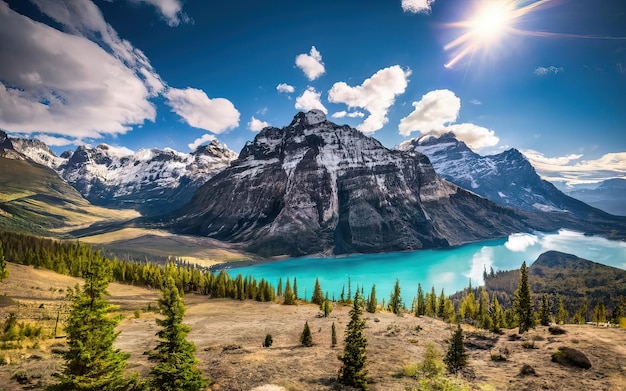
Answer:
(317, 187)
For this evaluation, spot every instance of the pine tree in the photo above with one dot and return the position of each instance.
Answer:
(326, 306)
(4, 272)
(599, 313)
(432, 303)
(289, 297)
(318, 296)
(441, 306)
(305, 338)
(449, 315)
(372, 302)
(483, 310)
(92, 363)
(333, 335)
(456, 357)
(176, 363)
(295, 289)
(420, 308)
(523, 306)
(544, 311)
(561, 313)
(352, 372)
(279, 289)
(495, 313)
(395, 301)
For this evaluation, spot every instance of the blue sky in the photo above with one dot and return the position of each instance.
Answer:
(547, 77)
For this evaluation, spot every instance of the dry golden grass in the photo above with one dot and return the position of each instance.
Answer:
(229, 334)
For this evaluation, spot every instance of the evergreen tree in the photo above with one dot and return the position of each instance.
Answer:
(333, 335)
(176, 367)
(279, 290)
(456, 357)
(580, 316)
(449, 315)
(620, 310)
(305, 338)
(395, 301)
(495, 313)
(352, 372)
(326, 307)
(372, 302)
(599, 313)
(420, 308)
(561, 313)
(289, 297)
(544, 311)
(467, 309)
(431, 303)
(295, 290)
(342, 297)
(483, 309)
(523, 306)
(92, 363)
(441, 306)
(318, 296)
(4, 272)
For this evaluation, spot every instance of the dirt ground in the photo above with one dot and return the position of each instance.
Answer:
(228, 335)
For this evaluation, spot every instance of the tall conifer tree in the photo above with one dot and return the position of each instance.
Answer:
(352, 372)
(318, 296)
(372, 302)
(176, 367)
(4, 272)
(523, 306)
(395, 301)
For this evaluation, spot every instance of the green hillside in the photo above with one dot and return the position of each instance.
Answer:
(35, 200)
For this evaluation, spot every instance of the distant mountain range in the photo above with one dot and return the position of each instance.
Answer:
(609, 195)
(151, 181)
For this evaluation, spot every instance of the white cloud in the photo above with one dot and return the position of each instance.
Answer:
(311, 64)
(198, 110)
(65, 84)
(543, 71)
(570, 170)
(309, 100)
(520, 242)
(476, 102)
(376, 95)
(353, 114)
(201, 140)
(117, 150)
(53, 141)
(435, 114)
(417, 6)
(256, 125)
(171, 10)
(481, 261)
(285, 88)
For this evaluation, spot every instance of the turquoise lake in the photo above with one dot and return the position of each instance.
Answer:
(450, 269)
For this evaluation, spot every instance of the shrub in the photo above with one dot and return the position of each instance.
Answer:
(556, 330)
(268, 341)
(498, 357)
(529, 345)
(572, 357)
(137, 314)
(527, 370)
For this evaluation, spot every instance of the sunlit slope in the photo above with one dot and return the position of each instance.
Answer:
(34, 199)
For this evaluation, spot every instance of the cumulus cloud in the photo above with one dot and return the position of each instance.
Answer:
(53, 141)
(256, 125)
(170, 10)
(285, 88)
(520, 242)
(309, 100)
(65, 84)
(84, 81)
(376, 95)
(201, 140)
(311, 64)
(481, 261)
(571, 170)
(435, 114)
(198, 110)
(551, 70)
(352, 114)
(417, 6)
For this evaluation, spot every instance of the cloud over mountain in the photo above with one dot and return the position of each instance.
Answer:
(311, 64)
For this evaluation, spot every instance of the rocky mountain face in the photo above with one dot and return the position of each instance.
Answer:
(607, 195)
(151, 181)
(316, 187)
(507, 178)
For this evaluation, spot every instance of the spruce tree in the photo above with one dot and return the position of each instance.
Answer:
(305, 338)
(295, 289)
(456, 357)
(279, 289)
(420, 308)
(544, 311)
(318, 296)
(326, 306)
(4, 272)
(92, 363)
(352, 372)
(333, 335)
(523, 306)
(395, 301)
(483, 309)
(289, 297)
(176, 363)
(441, 306)
(599, 313)
(432, 303)
(495, 313)
(372, 302)
(561, 313)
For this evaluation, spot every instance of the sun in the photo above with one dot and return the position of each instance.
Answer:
(491, 21)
